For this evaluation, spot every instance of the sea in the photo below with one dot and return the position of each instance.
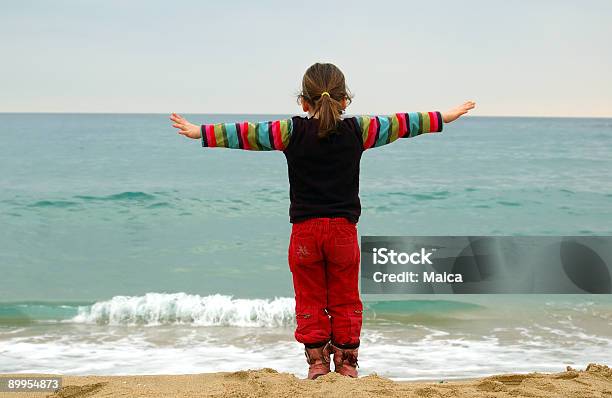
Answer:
(126, 248)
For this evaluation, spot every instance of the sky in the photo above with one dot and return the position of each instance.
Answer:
(515, 58)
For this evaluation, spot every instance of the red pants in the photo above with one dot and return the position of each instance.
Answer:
(324, 260)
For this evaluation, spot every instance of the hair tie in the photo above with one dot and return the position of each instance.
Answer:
(325, 93)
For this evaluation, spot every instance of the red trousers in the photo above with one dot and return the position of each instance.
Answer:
(324, 260)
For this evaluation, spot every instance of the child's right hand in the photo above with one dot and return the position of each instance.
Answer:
(185, 128)
(455, 113)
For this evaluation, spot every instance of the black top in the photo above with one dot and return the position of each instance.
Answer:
(324, 172)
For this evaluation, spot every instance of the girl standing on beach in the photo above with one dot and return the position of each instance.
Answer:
(323, 152)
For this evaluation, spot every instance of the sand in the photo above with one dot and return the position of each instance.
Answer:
(594, 381)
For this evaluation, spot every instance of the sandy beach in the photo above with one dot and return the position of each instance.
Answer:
(594, 381)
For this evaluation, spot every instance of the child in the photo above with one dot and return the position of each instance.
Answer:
(323, 151)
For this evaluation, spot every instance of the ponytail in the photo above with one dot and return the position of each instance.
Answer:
(329, 111)
(324, 89)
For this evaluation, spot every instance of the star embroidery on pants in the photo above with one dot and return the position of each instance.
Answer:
(302, 251)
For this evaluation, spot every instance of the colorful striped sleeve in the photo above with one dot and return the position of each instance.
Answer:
(381, 130)
(259, 136)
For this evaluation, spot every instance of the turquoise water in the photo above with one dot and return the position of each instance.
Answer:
(93, 206)
(97, 207)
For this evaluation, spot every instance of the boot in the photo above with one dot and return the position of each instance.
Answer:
(318, 360)
(345, 360)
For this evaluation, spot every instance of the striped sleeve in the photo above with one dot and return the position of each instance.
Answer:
(381, 130)
(259, 136)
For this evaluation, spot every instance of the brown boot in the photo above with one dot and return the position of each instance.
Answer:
(345, 360)
(318, 360)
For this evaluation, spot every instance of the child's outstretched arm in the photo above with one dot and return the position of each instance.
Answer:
(260, 136)
(381, 130)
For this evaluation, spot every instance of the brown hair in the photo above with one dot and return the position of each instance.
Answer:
(324, 88)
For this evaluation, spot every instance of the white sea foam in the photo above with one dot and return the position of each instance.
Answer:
(109, 350)
(193, 334)
(182, 308)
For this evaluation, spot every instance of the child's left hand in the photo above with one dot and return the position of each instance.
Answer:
(185, 128)
(455, 113)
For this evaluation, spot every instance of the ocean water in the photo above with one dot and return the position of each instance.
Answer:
(125, 248)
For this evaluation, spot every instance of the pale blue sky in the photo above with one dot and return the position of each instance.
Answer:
(541, 57)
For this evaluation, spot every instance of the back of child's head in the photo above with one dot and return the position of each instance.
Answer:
(324, 90)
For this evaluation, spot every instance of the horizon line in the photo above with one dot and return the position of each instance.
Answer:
(277, 114)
